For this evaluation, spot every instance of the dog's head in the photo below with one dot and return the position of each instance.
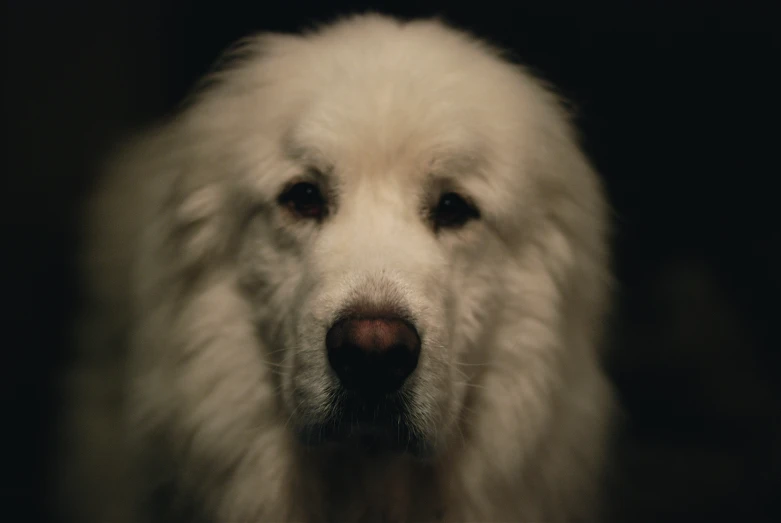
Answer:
(380, 191)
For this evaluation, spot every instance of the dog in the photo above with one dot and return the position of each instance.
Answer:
(362, 275)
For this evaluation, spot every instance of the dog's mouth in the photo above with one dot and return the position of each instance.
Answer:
(374, 425)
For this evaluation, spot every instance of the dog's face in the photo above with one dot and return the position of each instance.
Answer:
(380, 186)
(366, 322)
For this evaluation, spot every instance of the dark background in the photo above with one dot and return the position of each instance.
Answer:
(679, 106)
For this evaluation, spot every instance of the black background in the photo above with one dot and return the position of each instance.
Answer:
(679, 107)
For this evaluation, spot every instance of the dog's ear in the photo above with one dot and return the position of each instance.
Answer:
(190, 220)
(194, 220)
(162, 187)
(578, 231)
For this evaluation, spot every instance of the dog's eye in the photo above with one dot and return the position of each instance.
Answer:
(305, 200)
(453, 211)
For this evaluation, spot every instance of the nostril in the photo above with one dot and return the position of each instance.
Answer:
(349, 363)
(374, 355)
(401, 361)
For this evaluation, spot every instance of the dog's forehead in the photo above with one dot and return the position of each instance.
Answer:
(354, 140)
(426, 110)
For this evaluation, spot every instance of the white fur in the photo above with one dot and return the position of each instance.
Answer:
(209, 303)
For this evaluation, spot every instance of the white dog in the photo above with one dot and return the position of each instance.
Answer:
(360, 277)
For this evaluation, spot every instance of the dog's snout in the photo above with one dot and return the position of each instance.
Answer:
(373, 355)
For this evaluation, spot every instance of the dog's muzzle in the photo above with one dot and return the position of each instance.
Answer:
(372, 358)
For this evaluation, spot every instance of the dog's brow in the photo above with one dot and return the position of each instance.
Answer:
(305, 154)
(456, 163)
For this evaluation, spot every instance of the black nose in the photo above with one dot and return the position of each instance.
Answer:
(374, 355)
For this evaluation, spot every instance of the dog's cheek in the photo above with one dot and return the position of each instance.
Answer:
(270, 271)
(476, 285)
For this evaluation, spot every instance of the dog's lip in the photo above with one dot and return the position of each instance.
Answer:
(365, 438)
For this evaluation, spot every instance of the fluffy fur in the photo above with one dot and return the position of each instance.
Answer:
(208, 303)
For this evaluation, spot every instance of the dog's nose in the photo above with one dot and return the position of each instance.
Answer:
(373, 356)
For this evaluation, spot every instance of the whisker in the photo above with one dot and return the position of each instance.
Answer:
(472, 385)
(276, 365)
(464, 375)
(293, 413)
(276, 351)
(464, 364)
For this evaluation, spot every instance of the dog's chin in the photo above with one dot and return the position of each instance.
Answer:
(374, 426)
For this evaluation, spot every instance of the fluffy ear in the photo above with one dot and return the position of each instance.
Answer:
(578, 236)
(574, 230)
(194, 224)
(158, 213)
